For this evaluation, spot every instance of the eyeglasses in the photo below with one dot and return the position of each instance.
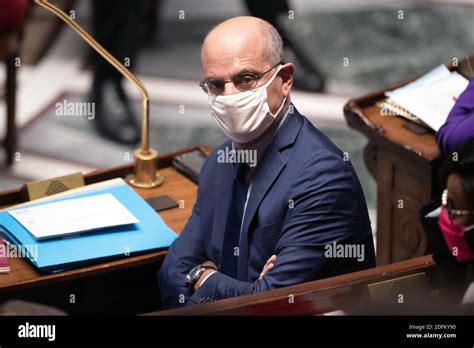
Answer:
(446, 202)
(243, 82)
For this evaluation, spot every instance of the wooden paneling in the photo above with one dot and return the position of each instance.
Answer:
(345, 292)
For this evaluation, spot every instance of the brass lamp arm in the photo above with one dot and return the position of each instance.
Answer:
(145, 173)
(112, 60)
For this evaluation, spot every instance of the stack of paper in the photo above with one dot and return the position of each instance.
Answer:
(85, 226)
(75, 215)
(431, 97)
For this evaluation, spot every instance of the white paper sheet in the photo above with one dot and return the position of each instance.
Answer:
(432, 96)
(73, 216)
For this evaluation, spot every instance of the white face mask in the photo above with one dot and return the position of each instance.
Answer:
(244, 116)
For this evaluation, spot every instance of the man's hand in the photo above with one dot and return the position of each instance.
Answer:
(205, 273)
(268, 266)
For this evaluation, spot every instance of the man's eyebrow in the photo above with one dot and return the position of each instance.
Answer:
(243, 71)
(247, 71)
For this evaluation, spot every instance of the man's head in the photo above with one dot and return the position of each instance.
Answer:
(243, 45)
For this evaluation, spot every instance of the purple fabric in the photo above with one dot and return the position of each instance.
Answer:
(459, 127)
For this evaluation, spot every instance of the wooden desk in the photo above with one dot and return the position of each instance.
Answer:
(310, 298)
(404, 165)
(317, 297)
(23, 275)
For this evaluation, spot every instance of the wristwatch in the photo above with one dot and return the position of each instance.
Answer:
(193, 275)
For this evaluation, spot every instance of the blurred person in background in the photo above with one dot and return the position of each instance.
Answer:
(12, 14)
(312, 80)
(452, 239)
(459, 126)
(115, 26)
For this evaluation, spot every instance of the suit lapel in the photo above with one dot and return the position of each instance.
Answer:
(268, 170)
(225, 181)
(272, 164)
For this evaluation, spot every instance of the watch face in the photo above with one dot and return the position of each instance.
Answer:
(192, 275)
(187, 280)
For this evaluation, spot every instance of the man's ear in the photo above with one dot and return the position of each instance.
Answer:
(287, 76)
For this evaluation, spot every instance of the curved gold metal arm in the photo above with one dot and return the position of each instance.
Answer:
(145, 173)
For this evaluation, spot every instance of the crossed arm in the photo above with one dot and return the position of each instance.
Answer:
(324, 212)
(267, 267)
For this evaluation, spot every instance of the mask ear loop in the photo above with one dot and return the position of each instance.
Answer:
(269, 82)
(275, 115)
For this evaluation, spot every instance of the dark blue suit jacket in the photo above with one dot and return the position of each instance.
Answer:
(305, 196)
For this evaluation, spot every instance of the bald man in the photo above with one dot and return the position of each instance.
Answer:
(278, 204)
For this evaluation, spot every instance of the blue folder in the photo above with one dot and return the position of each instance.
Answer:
(64, 253)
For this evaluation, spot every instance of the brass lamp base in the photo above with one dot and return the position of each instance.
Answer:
(145, 172)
